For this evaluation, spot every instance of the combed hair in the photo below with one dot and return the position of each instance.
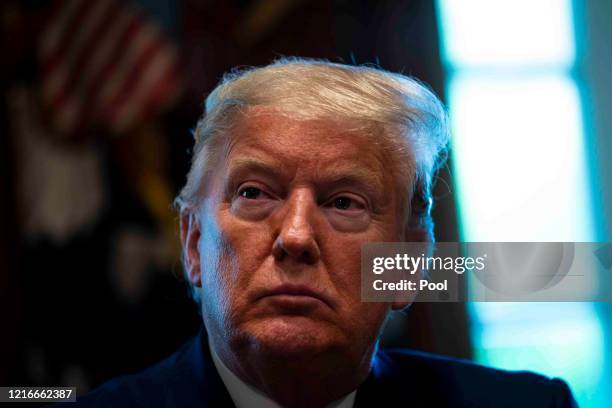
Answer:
(398, 111)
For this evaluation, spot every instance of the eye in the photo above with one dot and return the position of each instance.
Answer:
(253, 201)
(348, 212)
(342, 203)
(250, 193)
(347, 203)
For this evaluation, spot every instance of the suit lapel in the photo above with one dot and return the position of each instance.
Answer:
(387, 385)
(197, 381)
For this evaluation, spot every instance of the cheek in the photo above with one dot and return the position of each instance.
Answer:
(218, 270)
(343, 259)
(233, 251)
(342, 252)
(250, 242)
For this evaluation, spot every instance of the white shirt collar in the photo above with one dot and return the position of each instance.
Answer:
(246, 396)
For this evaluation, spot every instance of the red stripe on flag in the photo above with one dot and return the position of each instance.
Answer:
(106, 64)
(53, 20)
(91, 109)
(52, 61)
(122, 96)
(151, 98)
(75, 78)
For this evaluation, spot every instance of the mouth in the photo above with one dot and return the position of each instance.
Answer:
(294, 296)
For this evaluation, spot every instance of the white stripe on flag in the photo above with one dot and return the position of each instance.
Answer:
(59, 77)
(50, 41)
(145, 37)
(131, 106)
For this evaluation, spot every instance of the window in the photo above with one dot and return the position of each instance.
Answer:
(519, 156)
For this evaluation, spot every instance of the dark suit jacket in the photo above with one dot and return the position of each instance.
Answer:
(188, 378)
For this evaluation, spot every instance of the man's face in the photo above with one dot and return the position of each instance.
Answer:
(280, 233)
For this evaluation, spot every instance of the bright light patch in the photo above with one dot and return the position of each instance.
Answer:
(556, 339)
(513, 33)
(501, 319)
(519, 159)
(520, 170)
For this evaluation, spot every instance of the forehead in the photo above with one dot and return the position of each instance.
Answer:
(262, 134)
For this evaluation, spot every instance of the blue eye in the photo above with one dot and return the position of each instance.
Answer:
(250, 193)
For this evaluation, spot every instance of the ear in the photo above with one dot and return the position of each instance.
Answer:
(190, 239)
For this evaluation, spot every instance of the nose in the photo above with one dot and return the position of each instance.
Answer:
(296, 237)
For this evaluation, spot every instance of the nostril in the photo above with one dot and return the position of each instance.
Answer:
(279, 252)
(299, 247)
(309, 257)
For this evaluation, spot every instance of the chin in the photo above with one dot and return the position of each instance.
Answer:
(293, 336)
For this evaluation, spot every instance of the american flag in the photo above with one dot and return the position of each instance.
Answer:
(105, 64)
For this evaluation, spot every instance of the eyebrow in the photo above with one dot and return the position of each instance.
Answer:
(352, 176)
(327, 177)
(270, 168)
(255, 164)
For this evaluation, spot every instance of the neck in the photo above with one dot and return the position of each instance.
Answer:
(300, 380)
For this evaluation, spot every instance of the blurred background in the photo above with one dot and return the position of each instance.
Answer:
(97, 101)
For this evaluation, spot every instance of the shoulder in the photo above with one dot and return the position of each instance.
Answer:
(135, 390)
(176, 378)
(460, 383)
